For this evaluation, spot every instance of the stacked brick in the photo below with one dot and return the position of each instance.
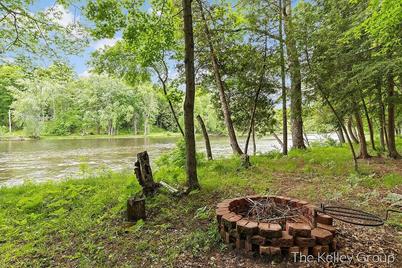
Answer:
(314, 235)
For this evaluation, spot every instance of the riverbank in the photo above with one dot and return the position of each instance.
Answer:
(81, 222)
(18, 136)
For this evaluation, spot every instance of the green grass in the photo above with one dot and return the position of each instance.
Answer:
(81, 222)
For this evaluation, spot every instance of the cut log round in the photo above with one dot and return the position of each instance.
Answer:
(135, 209)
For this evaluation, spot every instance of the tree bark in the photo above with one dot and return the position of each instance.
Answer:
(135, 124)
(189, 136)
(277, 139)
(283, 84)
(295, 77)
(254, 144)
(362, 139)
(306, 138)
(340, 135)
(221, 87)
(380, 114)
(206, 137)
(350, 130)
(392, 152)
(9, 121)
(370, 125)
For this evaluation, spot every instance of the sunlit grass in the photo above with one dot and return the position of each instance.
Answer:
(80, 222)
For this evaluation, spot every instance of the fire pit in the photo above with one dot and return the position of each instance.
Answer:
(275, 225)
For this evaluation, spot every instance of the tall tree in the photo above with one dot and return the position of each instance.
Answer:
(189, 137)
(283, 81)
(220, 84)
(295, 77)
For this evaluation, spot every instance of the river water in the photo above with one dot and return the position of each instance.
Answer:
(43, 160)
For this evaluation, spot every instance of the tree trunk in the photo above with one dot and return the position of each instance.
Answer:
(341, 137)
(278, 139)
(135, 209)
(295, 77)
(146, 125)
(283, 84)
(306, 139)
(206, 137)
(221, 87)
(350, 130)
(392, 152)
(257, 94)
(143, 172)
(381, 116)
(164, 87)
(189, 136)
(362, 139)
(254, 144)
(370, 125)
(135, 124)
(9, 121)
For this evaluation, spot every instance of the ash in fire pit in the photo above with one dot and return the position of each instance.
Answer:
(275, 225)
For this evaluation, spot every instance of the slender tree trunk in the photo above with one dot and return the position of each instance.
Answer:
(135, 124)
(392, 152)
(10, 128)
(164, 87)
(342, 125)
(295, 77)
(350, 130)
(370, 125)
(306, 139)
(254, 144)
(278, 139)
(283, 84)
(362, 139)
(257, 95)
(380, 115)
(340, 135)
(146, 125)
(189, 136)
(206, 137)
(221, 87)
(325, 97)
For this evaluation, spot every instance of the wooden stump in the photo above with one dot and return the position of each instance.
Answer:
(135, 209)
(143, 172)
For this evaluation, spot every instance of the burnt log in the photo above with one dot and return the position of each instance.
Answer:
(135, 209)
(143, 172)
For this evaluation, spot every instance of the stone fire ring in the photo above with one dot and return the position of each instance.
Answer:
(313, 236)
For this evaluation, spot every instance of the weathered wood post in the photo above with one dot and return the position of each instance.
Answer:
(135, 209)
(206, 137)
(143, 172)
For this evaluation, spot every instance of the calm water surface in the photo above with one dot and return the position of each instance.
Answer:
(42, 160)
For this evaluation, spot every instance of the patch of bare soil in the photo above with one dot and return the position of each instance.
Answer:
(383, 166)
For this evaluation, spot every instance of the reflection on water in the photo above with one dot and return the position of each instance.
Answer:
(41, 160)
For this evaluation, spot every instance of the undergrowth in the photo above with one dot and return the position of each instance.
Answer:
(81, 222)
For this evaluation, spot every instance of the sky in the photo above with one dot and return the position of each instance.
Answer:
(70, 15)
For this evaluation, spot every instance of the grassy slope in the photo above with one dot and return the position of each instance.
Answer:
(80, 222)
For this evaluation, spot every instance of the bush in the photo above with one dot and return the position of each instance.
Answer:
(177, 156)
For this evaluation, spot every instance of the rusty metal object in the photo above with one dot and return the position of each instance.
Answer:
(355, 216)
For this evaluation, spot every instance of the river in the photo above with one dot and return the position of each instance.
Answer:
(47, 159)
